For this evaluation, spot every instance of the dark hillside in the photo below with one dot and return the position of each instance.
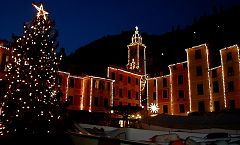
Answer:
(218, 31)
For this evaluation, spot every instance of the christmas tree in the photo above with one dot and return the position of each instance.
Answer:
(31, 104)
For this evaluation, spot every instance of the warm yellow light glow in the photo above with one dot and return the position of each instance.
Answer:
(189, 83)
(171, 90)
(154, 108)
(90, 103)
(41, 11)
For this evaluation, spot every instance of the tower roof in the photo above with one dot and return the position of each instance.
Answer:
(136, 38)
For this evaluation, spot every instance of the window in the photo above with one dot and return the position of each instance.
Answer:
(136, 95)
(214, 73)
(129, 79)
(120, 77)
(216, 106)
(201, 106)
(230, 71)
(229, 56)
(108, 86)
(95, 101)
(71, 82)
(165, 108)
(232, 104)
(120, 103)
(105, 102)
(181, 108)
(103, 85)
(184, 65)
(70, 100)
(180, 79)
(129, 94)
(164, 82)
(154, 96)
(165, 95)
(174, 67)
(113, 75)
(215, 87)
(120, 93)
(199, 70)
(230, 86)
(200, 89)
(136, 81)
(198, 54)
(180, 94)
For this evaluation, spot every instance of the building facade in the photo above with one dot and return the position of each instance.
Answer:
(191, 86)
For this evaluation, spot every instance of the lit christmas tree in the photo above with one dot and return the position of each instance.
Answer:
(31, 104)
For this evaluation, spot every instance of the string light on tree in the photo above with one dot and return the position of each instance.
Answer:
(31, 104)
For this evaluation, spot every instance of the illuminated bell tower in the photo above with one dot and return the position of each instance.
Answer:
(137, 54)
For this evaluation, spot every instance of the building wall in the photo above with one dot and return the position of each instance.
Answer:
(179, 88)
(81, 92)
(158, 93)
(164, 94)
(75, 92)
(198, 75)
(217, 89)
(100, 94)
(127, 87)
(231, 76)
(203, 88)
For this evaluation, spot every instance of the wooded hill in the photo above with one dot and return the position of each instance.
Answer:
(220, 30)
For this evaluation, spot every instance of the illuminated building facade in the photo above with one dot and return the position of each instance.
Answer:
(158, 92)
(179, 89)
(86, 93)
(130, 81)
(200, 98)
(98, 94)
(127, 87)
(231, 76)
(191, 86)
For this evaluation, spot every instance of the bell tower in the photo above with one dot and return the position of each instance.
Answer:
(137, 54)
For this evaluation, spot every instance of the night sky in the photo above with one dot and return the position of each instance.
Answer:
(80, 22)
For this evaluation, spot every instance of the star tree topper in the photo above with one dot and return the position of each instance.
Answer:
(41, 11)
